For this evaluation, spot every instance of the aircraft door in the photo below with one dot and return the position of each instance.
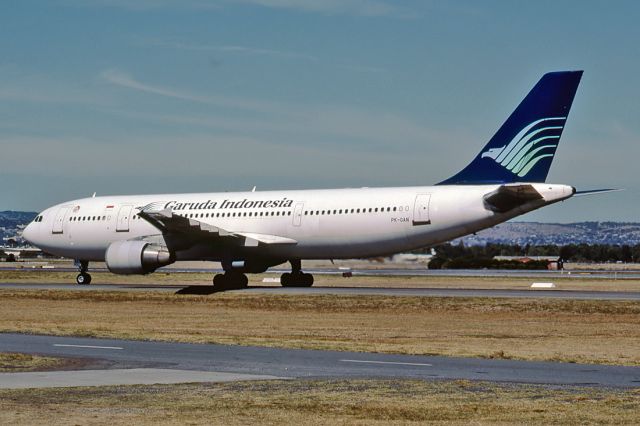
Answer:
(58, 222)
(421, 210)
(124, 215)
(297, 214)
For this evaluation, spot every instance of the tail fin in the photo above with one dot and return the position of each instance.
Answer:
(523, 148)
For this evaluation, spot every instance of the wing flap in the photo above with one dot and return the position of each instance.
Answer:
(268, 239)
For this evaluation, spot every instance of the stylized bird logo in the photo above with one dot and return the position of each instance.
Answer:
(533, 143)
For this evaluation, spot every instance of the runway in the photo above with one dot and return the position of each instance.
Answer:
(317, 290)
(296, 363)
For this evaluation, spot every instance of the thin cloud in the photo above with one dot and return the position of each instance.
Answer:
(366, 8)
(245, 50)
(122, 79)
(363, 69)
(369, 8)
(231, 49)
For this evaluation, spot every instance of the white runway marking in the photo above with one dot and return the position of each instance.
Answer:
(416, 364)
(88, 346)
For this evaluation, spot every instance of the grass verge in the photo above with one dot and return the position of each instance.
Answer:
(17, 362)
(533, 329)
(311, 402)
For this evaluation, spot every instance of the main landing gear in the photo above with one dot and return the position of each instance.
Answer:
(83, 277)
(230, 280)
(296, 278)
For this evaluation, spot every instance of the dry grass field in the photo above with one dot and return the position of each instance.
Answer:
(16, 362)
(319, 402)
(534, 329)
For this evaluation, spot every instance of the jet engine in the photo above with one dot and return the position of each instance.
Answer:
(136, 257)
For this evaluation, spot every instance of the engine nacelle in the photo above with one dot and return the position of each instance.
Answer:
(136, 257)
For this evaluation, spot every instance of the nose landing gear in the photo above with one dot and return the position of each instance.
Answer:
(83, 277)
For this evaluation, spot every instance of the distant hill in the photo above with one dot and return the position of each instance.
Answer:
(11, 219)
(535, 233)
(10, 224)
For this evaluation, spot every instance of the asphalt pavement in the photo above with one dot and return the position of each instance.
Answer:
(297, 363)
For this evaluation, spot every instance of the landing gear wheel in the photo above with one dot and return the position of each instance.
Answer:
(307, 279)
(299, 279)
(230, 281)
(285, 280)
(218, 280)
(83, 278)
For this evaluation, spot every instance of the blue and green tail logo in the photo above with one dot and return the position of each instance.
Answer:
(524, 146)
(535, 142)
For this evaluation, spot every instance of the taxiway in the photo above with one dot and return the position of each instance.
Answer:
(296, 363)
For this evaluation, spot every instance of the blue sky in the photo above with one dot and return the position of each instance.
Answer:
(125, 97)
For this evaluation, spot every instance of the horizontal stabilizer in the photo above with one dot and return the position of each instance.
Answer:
(508, 197)
(596, 191)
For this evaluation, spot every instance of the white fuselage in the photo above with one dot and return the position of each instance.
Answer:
(325, 224)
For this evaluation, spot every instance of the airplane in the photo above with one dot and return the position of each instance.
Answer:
(249, 232)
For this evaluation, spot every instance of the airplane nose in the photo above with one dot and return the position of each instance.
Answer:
(28, 233)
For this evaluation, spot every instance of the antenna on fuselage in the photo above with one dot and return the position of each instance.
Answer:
(254, 189)
(94, 195)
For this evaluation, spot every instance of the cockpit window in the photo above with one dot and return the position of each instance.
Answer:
(38, 218)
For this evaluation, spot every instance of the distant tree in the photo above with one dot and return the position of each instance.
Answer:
(567, 252)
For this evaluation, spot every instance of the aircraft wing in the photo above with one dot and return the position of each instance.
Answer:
(510, 196)
(170, 223)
